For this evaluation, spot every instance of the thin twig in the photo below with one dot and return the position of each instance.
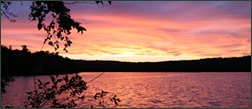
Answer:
(42, 46)
(95, 78)
(43, 103)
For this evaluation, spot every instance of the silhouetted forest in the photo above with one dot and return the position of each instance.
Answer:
(23, 62)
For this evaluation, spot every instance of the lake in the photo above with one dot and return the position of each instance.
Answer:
(146, 90)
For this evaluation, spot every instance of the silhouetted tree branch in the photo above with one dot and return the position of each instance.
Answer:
(5, 11)
(60, 28)
(61, 23)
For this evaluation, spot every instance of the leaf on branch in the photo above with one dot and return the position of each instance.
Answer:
(13, 21)
(50, 43)
(46, 83)
(66, 78)
(65, 50)
(69, 43)
(56, 48)
(52, 24)
(49, 37)
(62, 38)
(53, 15)
(81, 29)
(53, 79)
(39, 26)
(59, 34)
(77, 24)
(95, 96)
(39, 82)
(54, 31)
(45, 40)
(110, 2)
(29, 93)
(59, 80)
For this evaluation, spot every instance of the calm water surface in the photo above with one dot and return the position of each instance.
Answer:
(164, 90)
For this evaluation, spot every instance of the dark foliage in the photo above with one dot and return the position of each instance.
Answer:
(48, 92)
(42, 62)
(61, 23)
(63, 93)
(5, 80)
(5, 11)
(100, 98)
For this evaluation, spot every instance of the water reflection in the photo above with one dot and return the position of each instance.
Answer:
(165, 90)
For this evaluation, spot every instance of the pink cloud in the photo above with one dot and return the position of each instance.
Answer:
(180, 30)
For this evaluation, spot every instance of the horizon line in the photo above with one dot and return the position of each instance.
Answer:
(162, 61)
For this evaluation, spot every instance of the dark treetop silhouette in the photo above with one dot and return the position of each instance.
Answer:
(61, 24)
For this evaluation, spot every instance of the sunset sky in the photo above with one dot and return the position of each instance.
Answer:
(140, 31)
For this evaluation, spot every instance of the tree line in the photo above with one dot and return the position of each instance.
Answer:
(23, 62)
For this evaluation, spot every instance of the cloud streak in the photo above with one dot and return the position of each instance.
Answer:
(147, 31)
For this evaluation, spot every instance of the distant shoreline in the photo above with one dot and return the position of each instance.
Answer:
(21, 63)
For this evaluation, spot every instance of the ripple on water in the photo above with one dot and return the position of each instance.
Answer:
(155, 101)
(163, 90)
(214, 103)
